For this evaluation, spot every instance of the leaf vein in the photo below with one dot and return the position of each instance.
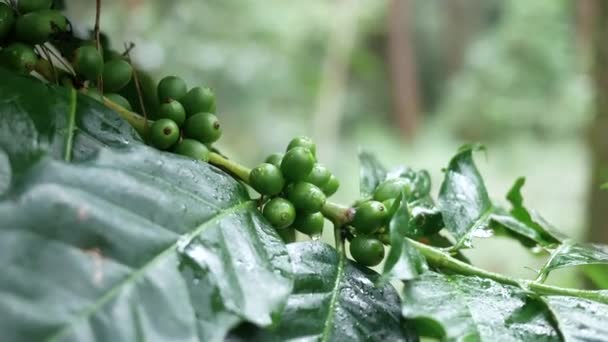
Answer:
(112, 292)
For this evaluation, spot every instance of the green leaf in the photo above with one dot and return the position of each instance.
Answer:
(604, 186)
(598, 274)
(39, 119)
(456, 307)
(518, 229)
(124, 243)
(579, 319)
(571, 253)
(528, 222)
(371, 173)
(335, 299)
(463, 199)
(403, 261)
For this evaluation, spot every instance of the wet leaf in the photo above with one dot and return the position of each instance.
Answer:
(124, 243)
(571, 253)
(371, 173)
(335, 299)
(455, 307)
(403, 261)
(579, 319)
(528, 223)
(463, 199)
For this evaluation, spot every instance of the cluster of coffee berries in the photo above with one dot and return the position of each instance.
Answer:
(25, 25)
(294, 189)
(185, 121)
(37, 38)
(372, 217)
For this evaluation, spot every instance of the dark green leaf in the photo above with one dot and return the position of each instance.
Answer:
(571, 253)
(579, 319)
(463, 199)
(334, 299)
(125, 243)
(371, 173)
(403, 261)
(426, 219)
(38, 119)
(464, 308)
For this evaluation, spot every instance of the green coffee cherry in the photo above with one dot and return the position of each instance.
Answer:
(19, 57)
(274, 159)
(172, 110)
(25, 6)
(119, 100)
(198, 100)
(306, 197)
(309, 223)
(37, 27)
(367, 251)
(369, 216)
(88, 62)
(267, 179)
(288, 235)
(392, 188)
(116, 74)
(164, 133)
(171, 88)
(7, 20)
(319, 176)
(331, 186)
(388, 204)
(204, 127)
(297, 164)
(305, 142)
(279, 212)
(193, 149)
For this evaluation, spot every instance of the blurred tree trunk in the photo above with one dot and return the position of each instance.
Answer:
(402, 68)
(585, 21)
(462, 20)
(598, 134)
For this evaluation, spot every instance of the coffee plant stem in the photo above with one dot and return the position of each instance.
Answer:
(232, 167)
(340, 215)
(443, 260)
(339, 239)
(137, 121)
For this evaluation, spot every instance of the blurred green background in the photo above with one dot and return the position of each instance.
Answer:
(409, 80)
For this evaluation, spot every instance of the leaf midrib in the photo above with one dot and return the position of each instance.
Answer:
(334, 298)
(115, 290)
(476, 225)
(67, 154)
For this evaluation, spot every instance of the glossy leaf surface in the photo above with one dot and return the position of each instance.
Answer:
(334, 299)
(464, 308)
(463, 198)
(124, 243)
